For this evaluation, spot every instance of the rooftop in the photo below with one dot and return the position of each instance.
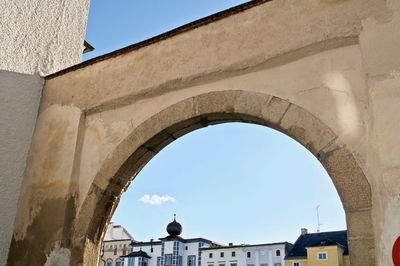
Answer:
(246, 245)
(334, 238)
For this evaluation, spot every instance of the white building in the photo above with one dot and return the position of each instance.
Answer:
(171, 250)
(271, 254)
(116, 243)
(174, 250)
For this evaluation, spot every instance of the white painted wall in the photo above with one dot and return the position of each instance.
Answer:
(41, 36)
(116, 232)
(19, 102)
(260, 254)
(227, 259)
(265, 255)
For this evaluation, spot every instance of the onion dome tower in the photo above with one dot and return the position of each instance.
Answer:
(174, 228)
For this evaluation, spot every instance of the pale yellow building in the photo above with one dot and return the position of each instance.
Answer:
(319, 249)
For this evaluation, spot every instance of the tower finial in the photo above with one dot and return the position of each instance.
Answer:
(174, 216)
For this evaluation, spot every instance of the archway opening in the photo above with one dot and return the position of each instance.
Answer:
(230, 183)
(243, 161)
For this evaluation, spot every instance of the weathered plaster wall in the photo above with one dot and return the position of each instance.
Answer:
(41, 36)
(19, 103)
(327, 84)
(380, 44)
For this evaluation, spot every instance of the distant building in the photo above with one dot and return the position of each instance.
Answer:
(319, 249)
(271, 254)
(171, 250)
(116, 243)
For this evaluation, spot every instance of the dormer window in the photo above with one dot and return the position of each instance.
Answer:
(322, 255)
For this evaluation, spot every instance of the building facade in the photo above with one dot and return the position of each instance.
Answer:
(116, 243)
(271, 254)
(171, 250)
(174, 250)
(319, 249)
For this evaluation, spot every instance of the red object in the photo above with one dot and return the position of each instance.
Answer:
(396, 252)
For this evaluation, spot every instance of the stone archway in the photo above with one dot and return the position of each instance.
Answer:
(99, 122)
(152, 135)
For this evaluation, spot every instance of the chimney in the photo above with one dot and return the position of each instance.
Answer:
(304, 231)
(230, 244)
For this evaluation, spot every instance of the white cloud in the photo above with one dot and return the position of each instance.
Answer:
(156, 199)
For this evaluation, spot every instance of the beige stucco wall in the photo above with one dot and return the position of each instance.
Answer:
(338, 60)
(36, 38)
(380, 44)
(41, 36)
(19, 103)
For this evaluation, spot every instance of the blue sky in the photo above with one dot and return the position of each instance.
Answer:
(233, 182)
(116, 24)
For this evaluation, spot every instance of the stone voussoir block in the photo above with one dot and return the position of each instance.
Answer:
(216, 102)
(251, 103)
(274, 109)
(359, 223)
(306, 129)
(348, 178)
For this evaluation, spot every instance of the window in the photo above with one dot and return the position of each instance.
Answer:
(322, 255)
(221, 264)
(118, 262)
(151, 250)
(277, 264)
(131, 262)
(186, 247)
(142, 261)
(296, 264)
(264, 264)
(210, 255)
(233, 254)
(115, 250)
(278, 253)
(233, 264)
(168, 260)
(191, 261)
(158, 261)
(250, 264)
(249, 254)
(222, 255)
(109, 262)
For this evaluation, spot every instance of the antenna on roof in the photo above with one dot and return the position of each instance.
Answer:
(318, 223)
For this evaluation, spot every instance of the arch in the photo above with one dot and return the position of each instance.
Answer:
(147, 139)
(278, 253)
